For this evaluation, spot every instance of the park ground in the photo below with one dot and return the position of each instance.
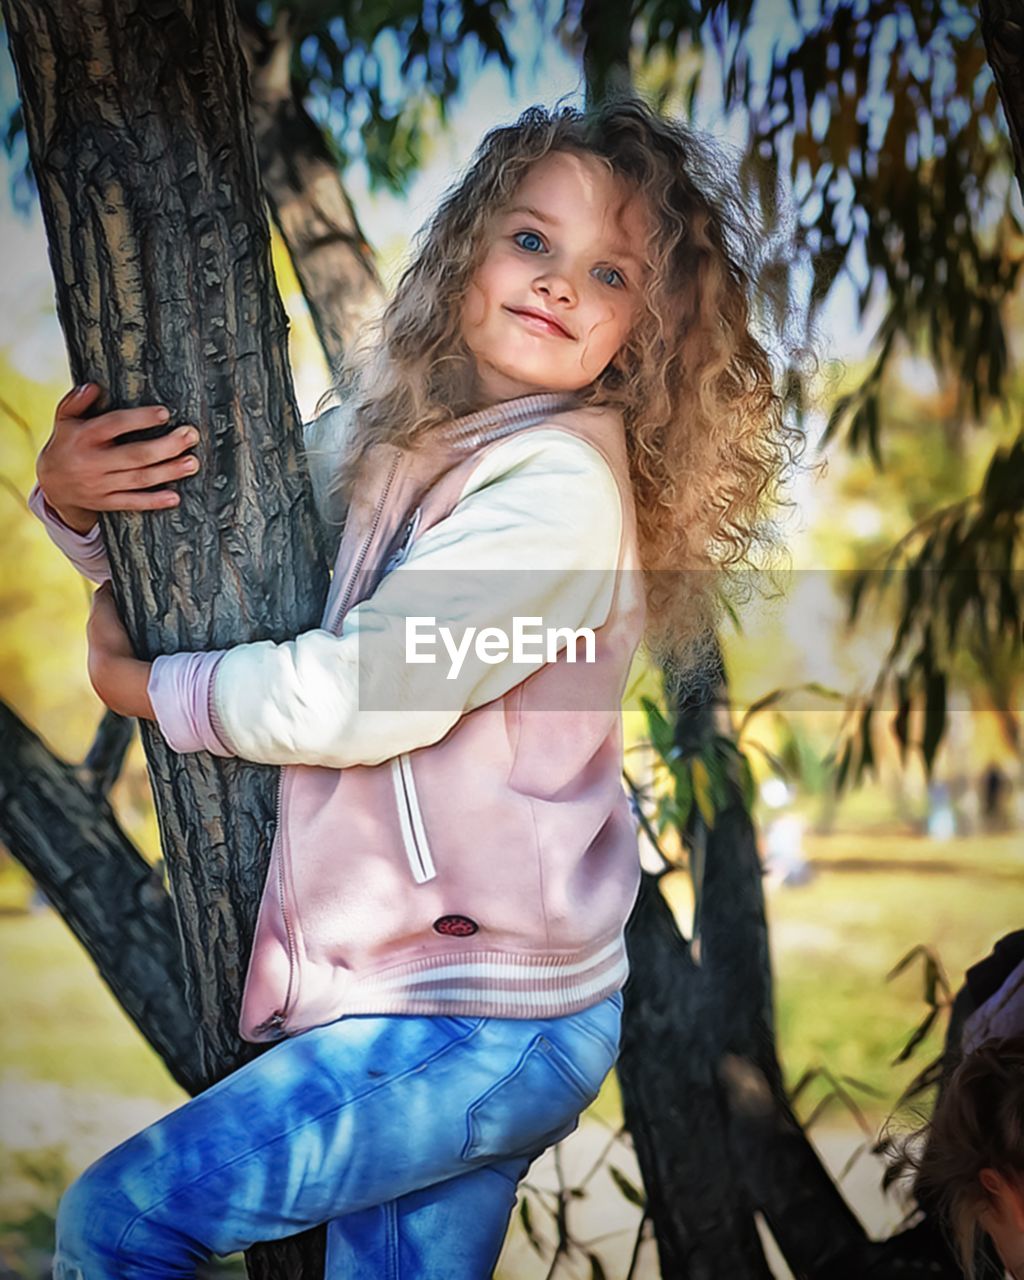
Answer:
(76, 1078)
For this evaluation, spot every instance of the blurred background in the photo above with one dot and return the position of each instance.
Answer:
(890, 865)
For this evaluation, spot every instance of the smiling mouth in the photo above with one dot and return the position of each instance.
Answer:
(539, 323)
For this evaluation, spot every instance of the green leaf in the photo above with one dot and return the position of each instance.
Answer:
(632, 1193)
(597, 1272)
(934, 717)
(901, 720)
(702, 791)
(748, 783)
(527, 1221)
(919, 1034)
(658, 728)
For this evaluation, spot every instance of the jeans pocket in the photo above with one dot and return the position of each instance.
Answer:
(533, 1106)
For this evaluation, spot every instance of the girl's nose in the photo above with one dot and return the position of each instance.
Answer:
(557, 287)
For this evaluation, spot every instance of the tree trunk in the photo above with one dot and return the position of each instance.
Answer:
(160, 249)
(334, 264)
(701, 1086)
(605, 30)
(1002, 29)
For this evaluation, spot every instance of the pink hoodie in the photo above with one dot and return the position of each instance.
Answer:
(459, 846)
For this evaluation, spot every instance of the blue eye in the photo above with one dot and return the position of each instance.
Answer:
(610, 271)
(538, 244)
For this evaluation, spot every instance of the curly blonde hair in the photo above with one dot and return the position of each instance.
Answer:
(706, 433)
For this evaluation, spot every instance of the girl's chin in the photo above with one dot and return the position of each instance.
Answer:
(507, 386)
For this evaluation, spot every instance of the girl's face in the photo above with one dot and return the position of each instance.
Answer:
(1003, 1219)
(557, 292)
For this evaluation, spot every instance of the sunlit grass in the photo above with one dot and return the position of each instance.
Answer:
(833, 941)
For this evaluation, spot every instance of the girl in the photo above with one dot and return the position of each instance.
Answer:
(565, 398)
(971, 1161)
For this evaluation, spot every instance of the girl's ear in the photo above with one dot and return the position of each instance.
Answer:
(1006, 1195)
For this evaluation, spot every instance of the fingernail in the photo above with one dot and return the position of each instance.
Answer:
(163, 414)
(82, 386)
(189, 435)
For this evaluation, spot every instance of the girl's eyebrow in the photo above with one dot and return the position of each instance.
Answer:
(532, 212)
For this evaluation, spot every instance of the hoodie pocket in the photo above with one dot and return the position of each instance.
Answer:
(410, 820)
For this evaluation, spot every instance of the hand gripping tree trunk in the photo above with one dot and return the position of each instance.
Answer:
(139, 131)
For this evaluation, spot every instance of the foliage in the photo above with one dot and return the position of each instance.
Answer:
(376, 76)
(882, 120)
(882, 123)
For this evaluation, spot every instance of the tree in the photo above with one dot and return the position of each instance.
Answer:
(741, 1044)
(147, 178)
(710, 1022)
(302, 52)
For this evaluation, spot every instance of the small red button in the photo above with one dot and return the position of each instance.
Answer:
(456, 926)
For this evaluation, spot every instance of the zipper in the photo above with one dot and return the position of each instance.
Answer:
(410, 819)
(275, 1022)
(401, 552)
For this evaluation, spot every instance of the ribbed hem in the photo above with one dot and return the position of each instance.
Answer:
(482, 984)
(180, 689)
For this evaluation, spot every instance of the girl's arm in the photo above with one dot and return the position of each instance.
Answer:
(323, 438)
(536, 534)
(85, 550)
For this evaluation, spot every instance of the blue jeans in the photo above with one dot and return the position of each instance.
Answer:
(406, 1134)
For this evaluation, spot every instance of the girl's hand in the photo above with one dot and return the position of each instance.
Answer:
(120, 679)
(82, 469)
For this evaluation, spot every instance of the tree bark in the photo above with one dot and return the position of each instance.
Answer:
(139, 131)
(334, 264)
(1002, 29)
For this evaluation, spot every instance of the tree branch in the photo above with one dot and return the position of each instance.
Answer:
(105, 759)
(66, 836)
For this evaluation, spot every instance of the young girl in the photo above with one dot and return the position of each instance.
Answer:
(969, 1161)
(565, 399)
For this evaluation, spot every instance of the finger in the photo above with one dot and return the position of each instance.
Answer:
(78, 400)
(147, 453)
(120, 421)
(162, 473)
(140, 500)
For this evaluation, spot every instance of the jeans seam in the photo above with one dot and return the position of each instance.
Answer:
(566, 1068)
(391, 1231)
(381, 1084)
(598, 1038)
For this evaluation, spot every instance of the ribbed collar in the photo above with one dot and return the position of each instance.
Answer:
(466, 432)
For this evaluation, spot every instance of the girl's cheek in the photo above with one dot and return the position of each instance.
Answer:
(473, 308)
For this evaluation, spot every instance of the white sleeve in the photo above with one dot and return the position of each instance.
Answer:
(535, 534)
